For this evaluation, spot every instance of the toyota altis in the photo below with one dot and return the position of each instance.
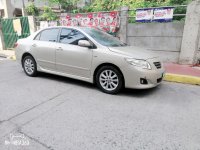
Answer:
(90, 55)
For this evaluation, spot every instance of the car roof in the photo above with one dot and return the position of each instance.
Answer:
(72, 27)
(69, 27)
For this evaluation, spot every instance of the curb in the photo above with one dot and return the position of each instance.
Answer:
(12, 57)
(8, 57)
(9, 54)
(3, 56)
(182, 79)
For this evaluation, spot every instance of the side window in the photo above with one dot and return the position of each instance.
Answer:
(69, 36)
(64, 36)
(50, 35)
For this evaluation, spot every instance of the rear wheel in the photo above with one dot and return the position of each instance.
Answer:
(109, 79)
(29, 66)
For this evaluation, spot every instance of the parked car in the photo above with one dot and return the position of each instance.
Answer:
(90, 55)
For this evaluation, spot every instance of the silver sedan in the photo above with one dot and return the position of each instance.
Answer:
(90, 55)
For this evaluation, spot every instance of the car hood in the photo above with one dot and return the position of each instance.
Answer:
(134, 52)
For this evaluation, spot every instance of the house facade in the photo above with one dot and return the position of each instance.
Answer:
(13, 8)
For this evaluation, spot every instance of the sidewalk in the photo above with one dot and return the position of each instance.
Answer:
(7, 54)
(182, 73)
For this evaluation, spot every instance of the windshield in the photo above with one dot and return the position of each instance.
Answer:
(103, 38)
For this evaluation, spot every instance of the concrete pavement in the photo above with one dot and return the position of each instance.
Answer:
(57, 113)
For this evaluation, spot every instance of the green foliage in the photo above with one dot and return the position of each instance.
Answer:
(65, 4)
(48, 14)
(31, 9)
(107, 5)
(179, 2)
(179, 10)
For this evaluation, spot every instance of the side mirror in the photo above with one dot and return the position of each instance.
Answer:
(84, 43)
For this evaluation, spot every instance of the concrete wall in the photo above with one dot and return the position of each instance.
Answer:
(197, 58)
(164, 39)
(2, 46)
(1, 4)
(8, 8)
(191, 34)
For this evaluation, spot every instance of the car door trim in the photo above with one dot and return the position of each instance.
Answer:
(39, 60)
(74, 67)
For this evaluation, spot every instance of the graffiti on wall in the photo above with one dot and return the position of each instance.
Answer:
(108, 21)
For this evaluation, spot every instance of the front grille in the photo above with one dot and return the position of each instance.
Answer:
(157, 64)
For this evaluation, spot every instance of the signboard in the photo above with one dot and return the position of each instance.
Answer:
(108, 21)
(17, 26)
(144, 15)
(164, 14)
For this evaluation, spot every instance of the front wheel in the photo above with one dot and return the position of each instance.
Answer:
(109, 79)
(29, 66)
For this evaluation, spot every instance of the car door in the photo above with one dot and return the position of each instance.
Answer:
(44, 47)
(71, 58)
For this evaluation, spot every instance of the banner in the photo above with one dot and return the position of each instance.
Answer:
(108, 21)
(144, 15)
(164, 14)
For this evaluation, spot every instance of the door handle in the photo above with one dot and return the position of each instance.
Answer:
(59, 49)
(34, 45)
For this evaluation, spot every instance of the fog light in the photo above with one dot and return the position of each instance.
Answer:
(143, 81)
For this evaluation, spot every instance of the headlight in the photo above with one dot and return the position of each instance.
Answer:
(139, 63)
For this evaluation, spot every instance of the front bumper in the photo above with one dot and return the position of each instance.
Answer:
(133, 76)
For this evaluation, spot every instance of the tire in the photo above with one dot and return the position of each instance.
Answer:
(109, 80)
(30, 66)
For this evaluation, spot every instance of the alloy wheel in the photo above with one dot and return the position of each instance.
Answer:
(29, 66)
(109, 80)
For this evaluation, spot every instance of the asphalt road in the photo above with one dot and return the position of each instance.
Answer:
(55, 113)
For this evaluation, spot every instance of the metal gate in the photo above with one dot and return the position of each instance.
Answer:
(10, 35)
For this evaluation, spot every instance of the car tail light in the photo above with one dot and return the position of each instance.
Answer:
(15, 45)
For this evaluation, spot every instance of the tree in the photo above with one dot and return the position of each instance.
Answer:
(31, 9)
(115, 4)
(48, 14)
(179, 10)
(65, 4)
(106, 5)
(179, 2)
